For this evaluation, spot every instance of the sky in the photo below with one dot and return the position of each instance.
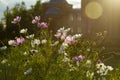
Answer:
(10, 4)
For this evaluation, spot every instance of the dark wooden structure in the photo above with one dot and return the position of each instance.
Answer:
(60, 13)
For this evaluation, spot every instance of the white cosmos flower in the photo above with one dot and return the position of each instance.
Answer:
(110, 68)
(28, 71)
(64, 44)
(4, 61)
(77, 35)
(35, 42)
(61, 50)
(89, 74)
(67, 30)
(43, 41)
(66, 59)
(65, 54)
(3, 48)
(25, 53)
(23, 31)
(63, 47)
(30, 36)
(100, 65)
(33, 51)
(88, 63)
(61, 29)
(10, 42)
(103, 69)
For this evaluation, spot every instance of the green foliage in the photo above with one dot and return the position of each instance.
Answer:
(27, 15)
(42, 57)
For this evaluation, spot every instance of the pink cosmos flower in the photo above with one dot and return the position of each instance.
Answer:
(19, 41)
(58, 35)
(36, 20)
(78, 58)
(42, 25)
(16, 20)
(62, 33)
(70, 40)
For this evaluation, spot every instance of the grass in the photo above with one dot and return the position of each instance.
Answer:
(112, 56)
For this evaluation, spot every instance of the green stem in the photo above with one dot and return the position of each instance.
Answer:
(19, 28)
(2, 42)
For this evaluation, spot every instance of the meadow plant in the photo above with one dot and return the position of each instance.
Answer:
(48, 56)
(16, 20)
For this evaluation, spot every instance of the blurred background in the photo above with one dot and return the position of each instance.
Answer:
(82, 16)
(87, 17)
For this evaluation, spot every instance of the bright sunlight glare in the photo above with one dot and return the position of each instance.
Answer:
(93, 10)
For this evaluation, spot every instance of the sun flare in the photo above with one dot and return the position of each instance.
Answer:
(93, 10)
